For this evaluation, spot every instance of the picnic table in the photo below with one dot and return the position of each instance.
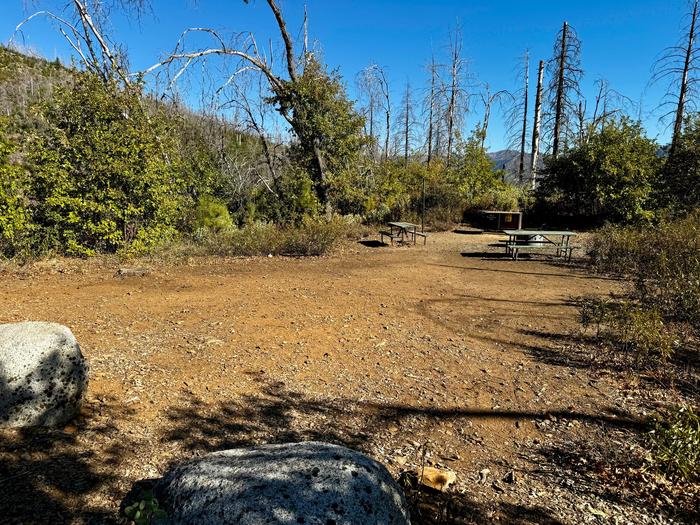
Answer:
(522, 240)
(402, 232)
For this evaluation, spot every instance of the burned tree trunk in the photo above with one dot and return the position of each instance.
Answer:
(683, 93)
(559, 110)
(523, 138)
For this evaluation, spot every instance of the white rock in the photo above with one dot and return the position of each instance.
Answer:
(43, 374)
(311, 483)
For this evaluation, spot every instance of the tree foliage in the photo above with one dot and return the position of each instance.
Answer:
(323, 119)
(15, 222)
(680, 183)
(610, 177)
(105, 173)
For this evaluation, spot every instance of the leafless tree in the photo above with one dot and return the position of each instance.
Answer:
(454, 91)
(517, 115)
(608, 103)
(243, 47)
(407, 122)
(432, 107)
(678, 67)
(254, 111)
(488, 99)
(83, 24)
(369, 96)
(564, 89)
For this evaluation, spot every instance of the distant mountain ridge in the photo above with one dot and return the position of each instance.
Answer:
(508, 160)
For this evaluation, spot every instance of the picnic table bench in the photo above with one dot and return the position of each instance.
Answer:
(403, 232)
(524, 241)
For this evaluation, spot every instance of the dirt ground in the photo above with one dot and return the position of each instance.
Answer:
(431, 354)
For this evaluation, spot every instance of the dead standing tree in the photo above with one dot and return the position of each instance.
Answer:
(488, 99)
(407, 121)
(454, 92)
(564, 91)
(678, 66)
(432, 107)
(369, 100)
(517, 115)
(82, 25)
(283, 86)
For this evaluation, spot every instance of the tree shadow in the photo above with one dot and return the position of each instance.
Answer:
(585, 351)
(486, 255)
(467, 231)
(497, 256)
(46, 473)
(429, 507)
(602, 470)
(282, 415)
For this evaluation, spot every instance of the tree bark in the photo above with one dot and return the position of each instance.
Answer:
(431, 103)
(683, 94)
(536, 127)
(406, 124)
(523, 138)
(560, 91)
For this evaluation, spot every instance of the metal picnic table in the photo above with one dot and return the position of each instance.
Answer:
(403, 231)
(526, 240)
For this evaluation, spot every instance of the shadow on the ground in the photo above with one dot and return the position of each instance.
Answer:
(46, 474)
(372, 243)
(584, 351)
(485, 255)
(44, 469)
(281, 415)
(500, 269)
(429, 507)
(605, 471)
(467, 231)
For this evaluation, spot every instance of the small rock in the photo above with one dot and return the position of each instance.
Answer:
(483, 474)
(401, 460)
(436, 478)
(131, 272)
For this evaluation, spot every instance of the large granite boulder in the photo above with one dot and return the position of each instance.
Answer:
(311, 483)
(43, 374)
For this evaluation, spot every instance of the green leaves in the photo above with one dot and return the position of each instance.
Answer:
(611, 176)
(675, 444)
(146, 511)
(103, 176)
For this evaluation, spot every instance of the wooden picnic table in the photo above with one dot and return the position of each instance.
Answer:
(528, 240)
(403, 231)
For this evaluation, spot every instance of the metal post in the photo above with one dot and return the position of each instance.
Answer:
(422, 217)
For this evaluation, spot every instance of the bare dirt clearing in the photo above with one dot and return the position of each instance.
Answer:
(409, 354)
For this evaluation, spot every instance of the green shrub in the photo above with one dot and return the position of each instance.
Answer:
(104, 172)
(675, 444)
(611, 176)
(312, 237)
(632, 328)
(663, 263)
(15, 217)
(212, 213)
(145, 511)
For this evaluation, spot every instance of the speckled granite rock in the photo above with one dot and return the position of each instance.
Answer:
(310, 483)
(43, 374)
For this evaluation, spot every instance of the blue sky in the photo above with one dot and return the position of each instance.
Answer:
(620, 38)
